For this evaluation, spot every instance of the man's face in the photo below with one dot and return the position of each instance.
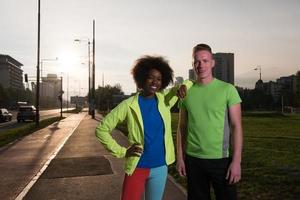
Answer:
(203, 64)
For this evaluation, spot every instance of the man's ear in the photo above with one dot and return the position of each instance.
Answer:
(213, 63)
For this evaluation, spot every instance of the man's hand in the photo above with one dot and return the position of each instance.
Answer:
(134, 150)
(180, 165)
(234, 173)
(181, 92)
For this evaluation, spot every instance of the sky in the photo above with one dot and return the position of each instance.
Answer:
(263, 33)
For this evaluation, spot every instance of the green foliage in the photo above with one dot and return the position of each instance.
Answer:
(271, 161)
(256, 99)
(104, 96)
(9, 96)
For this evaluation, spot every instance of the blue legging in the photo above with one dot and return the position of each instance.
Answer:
(155, 184)
(152, 181)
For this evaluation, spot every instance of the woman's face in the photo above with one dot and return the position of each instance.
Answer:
(153, 82)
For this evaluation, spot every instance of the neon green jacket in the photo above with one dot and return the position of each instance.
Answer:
(129, 111)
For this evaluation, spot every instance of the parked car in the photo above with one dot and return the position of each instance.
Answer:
(26, 113)
(5, 115)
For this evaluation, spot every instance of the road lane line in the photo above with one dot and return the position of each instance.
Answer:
(37, 176)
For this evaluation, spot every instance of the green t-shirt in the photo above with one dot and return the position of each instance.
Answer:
(208, 126)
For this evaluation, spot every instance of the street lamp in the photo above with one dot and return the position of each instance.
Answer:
(61, 95)
(37, 92)
(86, 39)
(93, 85)
(258, 68)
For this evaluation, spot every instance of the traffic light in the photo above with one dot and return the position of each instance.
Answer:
(60, 97)
(26, 78)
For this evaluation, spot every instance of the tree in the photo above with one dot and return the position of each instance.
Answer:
(3, 97)
(10, 96)
(105, 96)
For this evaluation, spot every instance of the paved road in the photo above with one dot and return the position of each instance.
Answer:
(44, 114)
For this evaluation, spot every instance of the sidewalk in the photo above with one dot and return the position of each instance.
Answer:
(83, 169)
(20, 161)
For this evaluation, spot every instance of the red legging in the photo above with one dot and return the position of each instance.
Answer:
(153, 180)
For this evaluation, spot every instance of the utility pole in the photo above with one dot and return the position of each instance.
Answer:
(37, 92)
(258, 68)
(61, 96)
(93, 85)
(67, 91)
(89, 66)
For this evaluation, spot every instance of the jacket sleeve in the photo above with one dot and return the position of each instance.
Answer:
(170, 94)
(104, 129)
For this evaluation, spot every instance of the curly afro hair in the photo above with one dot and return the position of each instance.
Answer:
(143, 65)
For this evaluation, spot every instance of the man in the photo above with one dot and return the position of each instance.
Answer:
(204, 133)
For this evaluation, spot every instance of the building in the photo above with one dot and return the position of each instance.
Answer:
(11, 74)
(178, 80)
(224, 68)
(274, 89)
(192, 75)
(284, 86)
(288, 83)
(50, 89)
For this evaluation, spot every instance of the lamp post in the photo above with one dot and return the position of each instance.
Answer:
(89, 66)
(93, 88)
(258, 68)
(37, 92)
(67, 91)
(61, 96)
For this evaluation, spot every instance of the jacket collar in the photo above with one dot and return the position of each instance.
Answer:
(134, 103)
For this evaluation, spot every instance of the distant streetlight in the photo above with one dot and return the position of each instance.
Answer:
(86, 39)
(61, 96)
(258, 68)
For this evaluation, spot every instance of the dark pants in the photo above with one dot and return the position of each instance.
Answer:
(202, 173)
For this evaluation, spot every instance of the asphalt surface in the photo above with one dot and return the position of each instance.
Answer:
(81, 168)
(44, 114)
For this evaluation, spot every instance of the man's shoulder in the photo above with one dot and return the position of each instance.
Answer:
(223, 84)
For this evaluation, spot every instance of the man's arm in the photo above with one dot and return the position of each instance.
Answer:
(234, 170)
(181, 141)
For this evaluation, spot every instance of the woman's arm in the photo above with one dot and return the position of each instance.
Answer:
(105, 127)
(171, 94)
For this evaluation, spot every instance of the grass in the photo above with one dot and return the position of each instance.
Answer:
(73, 111)
(12, 134)
(271, 156)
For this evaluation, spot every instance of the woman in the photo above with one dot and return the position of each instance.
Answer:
(148, 119)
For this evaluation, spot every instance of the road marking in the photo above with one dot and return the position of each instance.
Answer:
(37, 176)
